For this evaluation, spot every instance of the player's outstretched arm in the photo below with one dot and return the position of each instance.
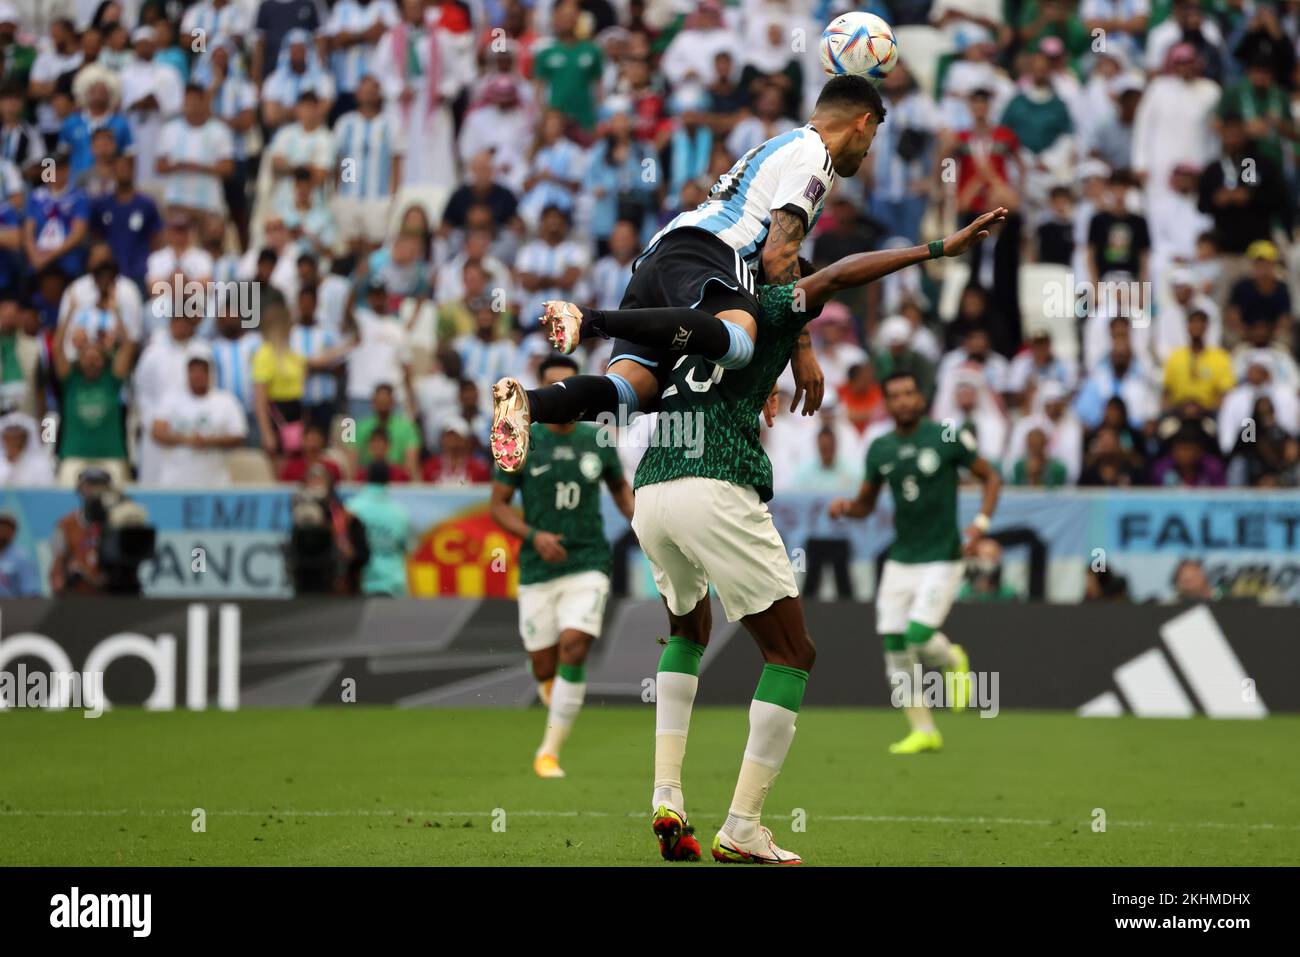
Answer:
(863, 268)
(860, 507)
(992, 483)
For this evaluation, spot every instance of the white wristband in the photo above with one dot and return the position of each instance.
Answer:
(982, 522)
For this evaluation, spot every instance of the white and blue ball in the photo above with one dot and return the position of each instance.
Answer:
(859, 43)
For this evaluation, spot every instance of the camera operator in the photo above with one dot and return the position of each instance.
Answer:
(99, 547)
(984, 575)
(327, 544)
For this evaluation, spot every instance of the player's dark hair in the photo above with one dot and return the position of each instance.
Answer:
(897, 377)
(852, 92)
(557, 362)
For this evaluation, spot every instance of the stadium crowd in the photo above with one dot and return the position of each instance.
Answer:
(245, 241)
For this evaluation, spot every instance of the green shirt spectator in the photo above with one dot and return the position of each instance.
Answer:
(569, 68)
(1049, 474)
(1262, 106)
(92, 387)
(1038, 118)
(1054, 18)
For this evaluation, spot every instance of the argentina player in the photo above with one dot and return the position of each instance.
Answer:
(754, 221)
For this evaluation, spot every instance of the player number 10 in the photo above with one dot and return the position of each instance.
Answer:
(567, 495)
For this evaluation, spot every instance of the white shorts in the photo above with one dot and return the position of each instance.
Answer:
(701, 531)
(571, 602)
(922, 592)
(361, 218)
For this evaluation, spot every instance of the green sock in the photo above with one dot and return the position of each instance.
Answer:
(917, 633)
(682, 656)
(894, 641)
(575, 674)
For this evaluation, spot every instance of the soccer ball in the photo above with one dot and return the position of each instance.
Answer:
(859, 43)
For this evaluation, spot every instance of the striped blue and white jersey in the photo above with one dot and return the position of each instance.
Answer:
(207, 22)
(365, 149)
(234, 361)
(95, 320)
(792, 171)
(237, 94)
(542, 259)
(609, 279)
(206, 144)
(350, 64)
(486, 361)
(893, 175)
(310, 342)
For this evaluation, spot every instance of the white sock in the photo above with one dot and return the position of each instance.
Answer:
(900, 666)
(771, 729)
(674, 699)
(937, 652)
(566, 702)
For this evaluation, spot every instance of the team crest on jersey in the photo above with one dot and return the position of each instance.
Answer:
(927, 460)
(589, 466)
(814, 190)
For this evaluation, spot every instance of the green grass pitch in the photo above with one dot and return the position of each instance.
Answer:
(352, 785)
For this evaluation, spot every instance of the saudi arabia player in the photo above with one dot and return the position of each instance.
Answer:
(701, 518)
(920, 461)
(707, 260)
(564, 561)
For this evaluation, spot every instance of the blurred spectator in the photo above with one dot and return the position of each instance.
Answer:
(18, 575)
(74, 546)
(388, 533)
(1244, 193)
(279, 377)
(1173, 119)
(91, 382)
(1191, 584)
(58, 222)
(377, 358)
(569, 67)
(25, 460)
(310, 455)
(195, 155)
(1122, 372)
(401, 437)
(1055, 235)
(1037, 468)
(829, 472)
(1265, 455)
(965, 402)
(370, 148)
(1198, 372)
(153, 94)
(1260, 297)
(20, 362)
(1171, 329)
(128, 221)
(195, 426)
(898, 355)
(1051, 412)
(1236, 420)
(983, 580)
(1102, 584)
(621, 177)
(1037, 364)
(1188, 463)
(456, 462)
(494, 131)
(834, 345)
(901, 156)
(861, 401)
(298, 75)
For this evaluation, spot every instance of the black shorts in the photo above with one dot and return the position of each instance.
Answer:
(689, 267)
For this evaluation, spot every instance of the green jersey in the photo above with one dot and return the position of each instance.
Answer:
(560, 488)
(708, 415)
(921, 470)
